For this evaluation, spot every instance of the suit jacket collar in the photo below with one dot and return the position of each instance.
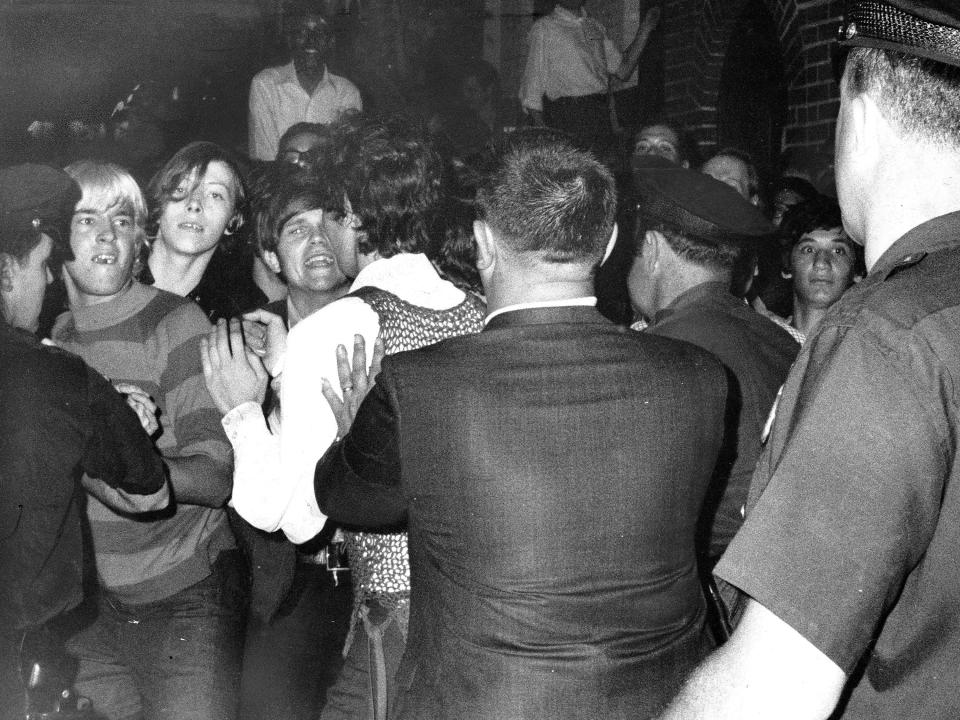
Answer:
(547, 316)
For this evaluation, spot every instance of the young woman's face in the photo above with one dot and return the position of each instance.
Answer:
(196, 217)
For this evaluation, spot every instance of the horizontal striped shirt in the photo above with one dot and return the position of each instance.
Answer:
(151, 338)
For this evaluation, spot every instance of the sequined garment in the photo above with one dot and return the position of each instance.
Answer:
(379, 563)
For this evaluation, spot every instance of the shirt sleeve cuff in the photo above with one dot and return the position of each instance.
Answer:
(240, 421)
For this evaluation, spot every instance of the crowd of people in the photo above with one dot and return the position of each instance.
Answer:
(412, 420)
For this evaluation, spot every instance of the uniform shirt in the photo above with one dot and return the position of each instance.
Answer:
(853, 538)
(569, 56)
(58, 420)
(278, 101)
(758, 354)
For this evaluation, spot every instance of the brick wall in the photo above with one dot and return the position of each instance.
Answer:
(697, 35)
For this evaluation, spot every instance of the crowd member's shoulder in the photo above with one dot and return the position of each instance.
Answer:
(175, 317)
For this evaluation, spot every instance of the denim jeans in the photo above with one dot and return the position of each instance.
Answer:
(174, 659)
(366, 688)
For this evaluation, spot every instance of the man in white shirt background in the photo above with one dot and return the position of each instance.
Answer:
(570, 61)
(303, 90)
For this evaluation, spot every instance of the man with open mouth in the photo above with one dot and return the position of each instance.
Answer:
(165, 638)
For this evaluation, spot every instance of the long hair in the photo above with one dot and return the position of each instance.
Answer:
(193, 160)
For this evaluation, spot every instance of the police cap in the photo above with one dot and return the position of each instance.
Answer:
(925, 28)
(698, 206)
(36, 197)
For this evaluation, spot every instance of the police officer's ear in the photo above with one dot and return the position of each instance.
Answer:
(651, 248)
(868, 131)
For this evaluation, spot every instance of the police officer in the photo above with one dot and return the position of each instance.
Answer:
(849, 547)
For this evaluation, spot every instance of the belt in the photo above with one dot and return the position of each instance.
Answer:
(333, 556)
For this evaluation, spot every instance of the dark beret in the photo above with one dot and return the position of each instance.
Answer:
(698, 206)
(925, 28)
(36, 196)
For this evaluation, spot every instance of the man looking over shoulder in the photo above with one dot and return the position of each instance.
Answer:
(62, 428)
(551, 576)
(303, 90)
(848, 552)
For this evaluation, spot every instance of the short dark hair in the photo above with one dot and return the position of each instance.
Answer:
(820, 213)
(392, 176)
(302, 128)
(284, 191)
(920, 96)
(194, 157)
(687, 148)
(294, 10)
(717, 256)
(549, 198)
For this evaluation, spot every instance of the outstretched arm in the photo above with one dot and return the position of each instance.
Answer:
(767, 669)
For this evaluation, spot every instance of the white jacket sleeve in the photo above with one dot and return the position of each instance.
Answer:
(308, 424)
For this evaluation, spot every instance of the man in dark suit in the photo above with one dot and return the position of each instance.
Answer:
(550, 469)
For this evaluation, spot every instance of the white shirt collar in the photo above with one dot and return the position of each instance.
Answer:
(411, 277)
(589, 301)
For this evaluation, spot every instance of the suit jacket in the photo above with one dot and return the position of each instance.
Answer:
(758, 354)
(551, 469)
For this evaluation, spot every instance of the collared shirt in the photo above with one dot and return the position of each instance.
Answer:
(851, 533)
(587, 301)
(273, 475)
(568, 56)
(278, 101)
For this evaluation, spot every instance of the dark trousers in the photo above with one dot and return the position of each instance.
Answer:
(173, 659)
(289, 662)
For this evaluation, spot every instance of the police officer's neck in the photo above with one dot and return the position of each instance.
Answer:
(913, 184)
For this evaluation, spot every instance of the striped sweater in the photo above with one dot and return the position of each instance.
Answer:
(152, 338)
